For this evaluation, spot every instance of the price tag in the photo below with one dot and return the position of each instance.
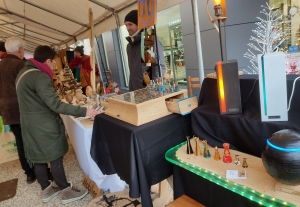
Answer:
(235, 174)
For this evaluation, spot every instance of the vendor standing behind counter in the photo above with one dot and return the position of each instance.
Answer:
(134, 53)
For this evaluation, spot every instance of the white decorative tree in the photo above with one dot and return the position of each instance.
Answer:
(269, 35)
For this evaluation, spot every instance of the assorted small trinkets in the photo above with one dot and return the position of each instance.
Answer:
(66, 82)
(206, 152)
(189, 149)
(217, 154)
(245, 165)
(197, 147)
(237, 160)
(163, 86)
(69, 98)
(226, 157)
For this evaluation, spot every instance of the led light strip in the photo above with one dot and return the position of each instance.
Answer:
(264, 83)
(283, 149)
(262, 199)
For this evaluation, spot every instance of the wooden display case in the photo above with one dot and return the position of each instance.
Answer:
(141, 106)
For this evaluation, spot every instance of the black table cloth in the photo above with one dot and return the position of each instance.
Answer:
(137, 153)
(245, 132)
(205, 191)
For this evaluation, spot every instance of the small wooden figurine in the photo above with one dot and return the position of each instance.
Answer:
(226, 157)
(217, 154)
(189, 149)
(110, 88)
(177, 87)
(150, 85)
(165, 83)
(100, 88)
(88, 91)
(155, 85)
(206, 152)
(162, 90)
(197, 147)
(146, 78)
(173, 87)
(245, 165)
(79, 95)
(237, 160)
(69, 98)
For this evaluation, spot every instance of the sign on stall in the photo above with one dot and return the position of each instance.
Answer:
(147, 13)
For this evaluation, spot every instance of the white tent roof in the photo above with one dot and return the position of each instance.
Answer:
(62, 22)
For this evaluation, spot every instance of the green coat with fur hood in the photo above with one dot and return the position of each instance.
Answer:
(43, 130)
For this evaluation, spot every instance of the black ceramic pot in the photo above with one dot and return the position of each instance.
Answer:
(281, 157)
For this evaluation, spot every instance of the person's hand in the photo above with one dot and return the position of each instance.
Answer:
(91, 113)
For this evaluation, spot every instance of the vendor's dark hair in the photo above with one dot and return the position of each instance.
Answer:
(79, 49)
(44, 52)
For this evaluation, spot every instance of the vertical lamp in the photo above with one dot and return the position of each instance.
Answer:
(228, 87)
(221, 15)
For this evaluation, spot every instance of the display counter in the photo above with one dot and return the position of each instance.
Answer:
(204, 180)
(245, 132)
(136, 153)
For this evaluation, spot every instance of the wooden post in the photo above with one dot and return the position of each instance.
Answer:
(92, 55)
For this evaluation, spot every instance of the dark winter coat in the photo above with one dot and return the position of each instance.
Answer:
(10, 66)
(135, 62)
(43, 130)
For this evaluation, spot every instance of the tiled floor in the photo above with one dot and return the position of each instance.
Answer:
(29, 195)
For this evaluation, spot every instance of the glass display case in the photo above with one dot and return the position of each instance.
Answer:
(143, 95)
(177, 62)
(141, 106)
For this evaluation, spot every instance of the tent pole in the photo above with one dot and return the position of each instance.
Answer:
(198, 40)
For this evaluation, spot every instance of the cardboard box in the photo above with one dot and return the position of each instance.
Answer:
(91, 186)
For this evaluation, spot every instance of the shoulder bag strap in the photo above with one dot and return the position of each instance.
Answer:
(27, 71)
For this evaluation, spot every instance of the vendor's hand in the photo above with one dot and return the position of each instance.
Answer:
(91, 113)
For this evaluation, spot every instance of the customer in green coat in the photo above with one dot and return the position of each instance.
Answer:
(42, 128)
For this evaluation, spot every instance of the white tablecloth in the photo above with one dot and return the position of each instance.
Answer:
(80, 137)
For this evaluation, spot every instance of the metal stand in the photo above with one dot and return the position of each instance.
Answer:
(157, 53)
(220, 37)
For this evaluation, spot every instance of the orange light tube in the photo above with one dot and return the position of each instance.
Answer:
(221, 86)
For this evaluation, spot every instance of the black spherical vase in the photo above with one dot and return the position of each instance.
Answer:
(281, 157)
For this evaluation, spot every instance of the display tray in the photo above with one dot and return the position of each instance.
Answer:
(259, 186)
(140, 106)
(182, 106)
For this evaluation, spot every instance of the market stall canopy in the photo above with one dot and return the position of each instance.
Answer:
(60, 23)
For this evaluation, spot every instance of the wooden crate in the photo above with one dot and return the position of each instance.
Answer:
(182, 106)
(138, 113)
